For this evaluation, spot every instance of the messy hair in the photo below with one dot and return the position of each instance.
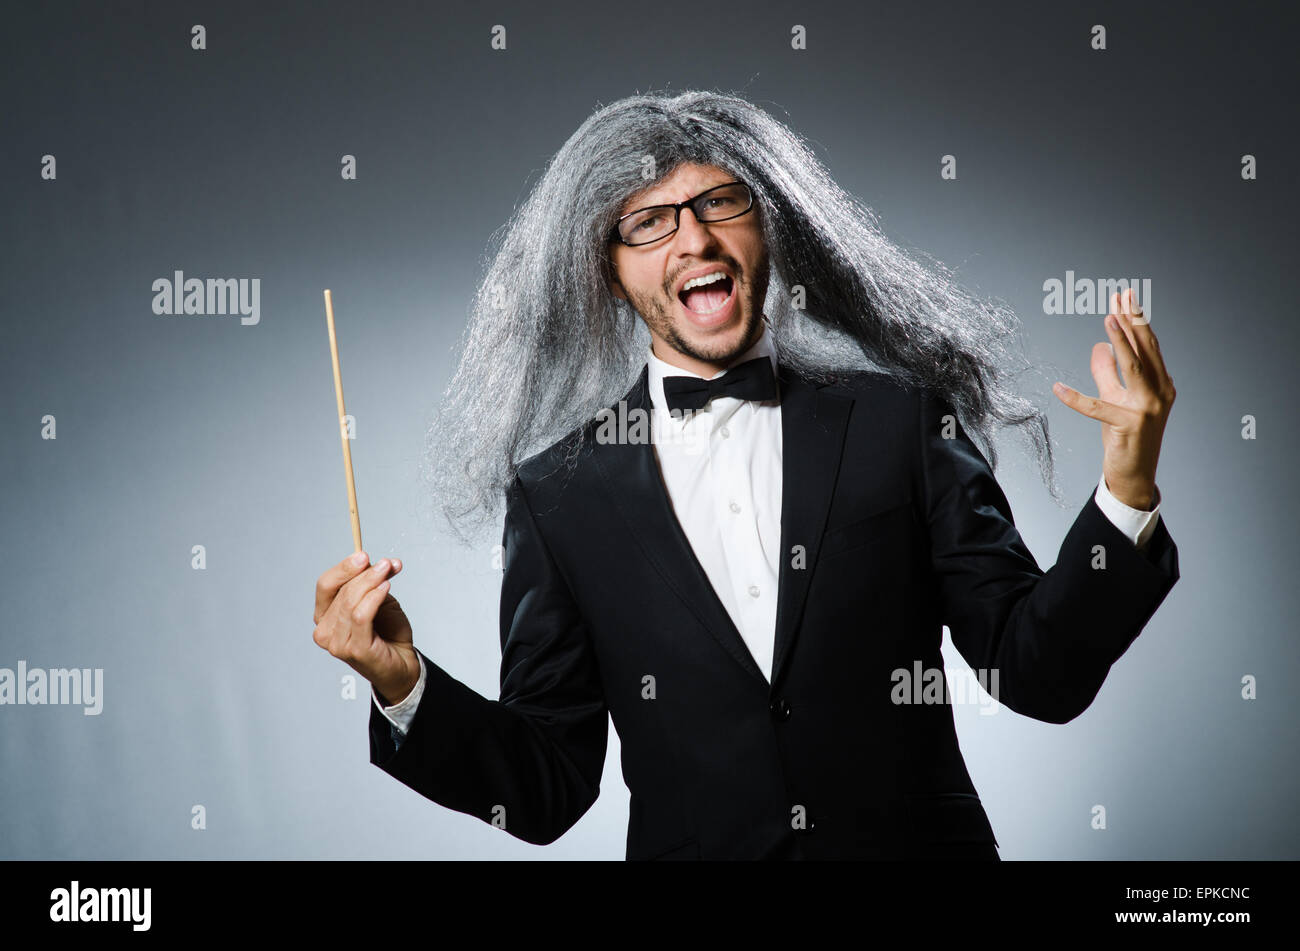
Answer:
(548, 345)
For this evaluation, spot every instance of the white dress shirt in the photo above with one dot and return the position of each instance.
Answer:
(722, 470)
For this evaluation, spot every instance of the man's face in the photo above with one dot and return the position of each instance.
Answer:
(707, 335)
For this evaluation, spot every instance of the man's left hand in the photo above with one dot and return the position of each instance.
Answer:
(1132, 413)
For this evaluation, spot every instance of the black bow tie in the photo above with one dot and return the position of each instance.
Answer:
(752, 380)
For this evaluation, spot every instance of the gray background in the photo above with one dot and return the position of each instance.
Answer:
(176, 431)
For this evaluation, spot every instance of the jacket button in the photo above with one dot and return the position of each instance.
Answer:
(781, 709)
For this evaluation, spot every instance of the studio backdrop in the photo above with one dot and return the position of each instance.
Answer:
(172, 475)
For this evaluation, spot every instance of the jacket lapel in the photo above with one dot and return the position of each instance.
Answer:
(635, 486)
(812, 426)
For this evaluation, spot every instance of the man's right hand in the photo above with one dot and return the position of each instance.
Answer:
(361, 624)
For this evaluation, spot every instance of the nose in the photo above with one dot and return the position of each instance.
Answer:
(691, 234)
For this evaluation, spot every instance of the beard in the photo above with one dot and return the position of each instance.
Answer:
(660, 313)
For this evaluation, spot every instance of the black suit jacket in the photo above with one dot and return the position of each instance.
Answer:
(606, 612)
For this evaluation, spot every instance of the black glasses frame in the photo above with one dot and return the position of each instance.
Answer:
(616, 234)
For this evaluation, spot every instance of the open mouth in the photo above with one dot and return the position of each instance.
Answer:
(708, 299)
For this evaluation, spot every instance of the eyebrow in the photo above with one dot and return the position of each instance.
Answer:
(664, 201)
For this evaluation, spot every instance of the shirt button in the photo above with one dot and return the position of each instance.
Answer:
(725, 432)
(753, 591)
(735, 506)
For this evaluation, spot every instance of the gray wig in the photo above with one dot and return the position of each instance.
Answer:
(548, 345)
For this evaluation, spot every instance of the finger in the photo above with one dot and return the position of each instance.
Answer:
(1089, 406)
(1103, 369)
(1128, 302)
(328, 584)
(1119, 304)
(356, 589)
(353, 634)
(1144, 337)
(363, 612)
(1129, 364)
(1130, 307)
(364, 583)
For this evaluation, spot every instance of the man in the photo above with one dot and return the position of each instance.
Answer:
(736, 558)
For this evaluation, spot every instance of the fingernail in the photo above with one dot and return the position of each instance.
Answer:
(359, 558)
(381, 565)
(397, 564)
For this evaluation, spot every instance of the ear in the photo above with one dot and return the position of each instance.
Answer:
(615, 286)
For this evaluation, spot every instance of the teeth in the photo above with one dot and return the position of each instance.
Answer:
(701, 281)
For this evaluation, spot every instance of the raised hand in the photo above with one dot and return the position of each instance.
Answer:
(1132, 413)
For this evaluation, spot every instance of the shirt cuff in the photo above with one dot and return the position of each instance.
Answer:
(1138, 525)
(401, 714)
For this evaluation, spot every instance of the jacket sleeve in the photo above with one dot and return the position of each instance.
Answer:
(1052, 637)
(531, 761)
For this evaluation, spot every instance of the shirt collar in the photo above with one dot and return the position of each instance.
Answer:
(658, 369)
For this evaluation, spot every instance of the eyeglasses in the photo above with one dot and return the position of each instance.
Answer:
(720, 203)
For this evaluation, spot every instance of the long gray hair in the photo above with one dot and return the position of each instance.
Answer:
(548, 345)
